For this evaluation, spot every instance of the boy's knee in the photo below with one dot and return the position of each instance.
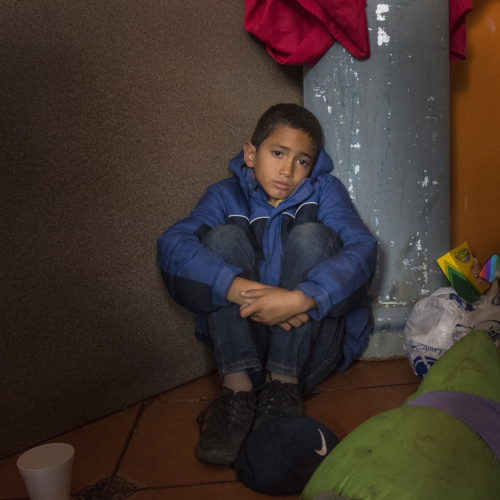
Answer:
(232, 243)
(224, 235)
(309, 235)
(307, 245)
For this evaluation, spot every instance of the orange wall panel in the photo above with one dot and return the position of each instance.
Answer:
(475, 134)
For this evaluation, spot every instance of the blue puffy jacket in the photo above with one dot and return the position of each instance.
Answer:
(337, 284)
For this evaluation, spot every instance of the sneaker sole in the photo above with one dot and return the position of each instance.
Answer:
(213, 457)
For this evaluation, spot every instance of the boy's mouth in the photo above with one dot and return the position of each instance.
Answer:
(281, 185)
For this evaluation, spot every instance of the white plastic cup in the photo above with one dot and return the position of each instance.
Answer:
(46, 471)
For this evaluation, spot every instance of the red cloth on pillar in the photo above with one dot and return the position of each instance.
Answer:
(458, 30)
(301, 31)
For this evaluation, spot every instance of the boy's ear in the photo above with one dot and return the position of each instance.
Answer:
(249, 152)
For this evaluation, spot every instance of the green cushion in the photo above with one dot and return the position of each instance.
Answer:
(471, 365)
(415, 452)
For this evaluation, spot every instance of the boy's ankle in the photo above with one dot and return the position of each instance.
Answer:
(237, 382)
(284, 379)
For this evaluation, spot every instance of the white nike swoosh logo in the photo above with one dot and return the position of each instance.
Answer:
(322, 451)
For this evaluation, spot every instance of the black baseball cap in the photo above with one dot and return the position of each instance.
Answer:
(280, 456)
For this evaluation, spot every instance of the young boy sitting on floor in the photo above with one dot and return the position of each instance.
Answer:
(276, 264)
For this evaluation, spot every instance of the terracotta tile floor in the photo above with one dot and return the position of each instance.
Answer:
(146, 451)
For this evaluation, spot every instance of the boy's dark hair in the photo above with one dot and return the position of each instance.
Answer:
(290, 115)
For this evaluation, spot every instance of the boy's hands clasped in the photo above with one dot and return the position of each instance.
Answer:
(276, 306)
(271, 305)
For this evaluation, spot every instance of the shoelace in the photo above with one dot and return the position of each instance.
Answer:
(276, 397)
(218, 408)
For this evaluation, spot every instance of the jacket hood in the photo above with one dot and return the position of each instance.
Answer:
(323, 165)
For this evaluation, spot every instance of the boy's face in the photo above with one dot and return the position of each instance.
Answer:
(284, 159)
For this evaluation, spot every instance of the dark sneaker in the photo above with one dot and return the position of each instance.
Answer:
(278, 400)
(229, 421)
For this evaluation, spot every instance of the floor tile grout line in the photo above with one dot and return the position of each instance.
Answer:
(354, 388)
(201, 399)
(135, 424)
(172, 486)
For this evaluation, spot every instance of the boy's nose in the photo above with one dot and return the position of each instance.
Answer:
(286, 169)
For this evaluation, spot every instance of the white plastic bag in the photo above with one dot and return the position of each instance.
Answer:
(485, 315)
(438, 321)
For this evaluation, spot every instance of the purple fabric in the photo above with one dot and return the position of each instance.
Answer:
(480, 414)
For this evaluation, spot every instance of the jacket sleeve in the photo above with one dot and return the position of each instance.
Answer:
(195, 276)
(340, 282)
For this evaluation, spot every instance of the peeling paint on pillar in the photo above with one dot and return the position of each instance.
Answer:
(386, 122)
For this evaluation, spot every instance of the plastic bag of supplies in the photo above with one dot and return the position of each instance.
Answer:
(440, 320)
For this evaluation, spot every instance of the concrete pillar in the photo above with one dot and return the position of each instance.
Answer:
(386, 121)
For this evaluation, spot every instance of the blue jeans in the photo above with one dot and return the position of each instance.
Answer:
(309, 352)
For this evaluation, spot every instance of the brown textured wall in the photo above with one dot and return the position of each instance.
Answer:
(114, 118)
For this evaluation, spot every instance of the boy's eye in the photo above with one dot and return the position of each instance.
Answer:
(304, 163)
(277, 153)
